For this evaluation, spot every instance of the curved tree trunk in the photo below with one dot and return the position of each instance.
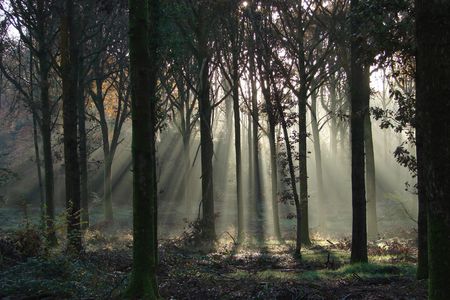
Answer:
(299, 231)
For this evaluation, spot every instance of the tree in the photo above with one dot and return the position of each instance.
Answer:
(196, 21)
(300, 30)
(144, 40)
(358, 72)
(69, 68)
(260, 22)
(108, 78)
(232, 30)
(433, 128)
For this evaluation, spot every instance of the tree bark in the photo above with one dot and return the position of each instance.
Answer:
(237, 134)
(143, 18)
(303, 134)
(433, 127)
(47, 148)
(82, 151)
(71, 162)
(359, 230)
(422, 256)
(209, 232)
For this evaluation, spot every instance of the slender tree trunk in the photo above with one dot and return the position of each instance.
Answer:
(359, 230)
(334, 118)
(83, 155)
(372, 227)
(433, 127)
(303, 160)
(47, 150)
(265, 82)
(107, 155)
(303, 134)
(237, 143)
(39, 171)
(318, 158)
(258, 198)
(72, 168)
(299, 232)
(36, 146)
(250, 176)
(143, 17)
(274, 180)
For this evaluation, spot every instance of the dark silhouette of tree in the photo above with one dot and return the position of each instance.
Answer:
(433, 132)
(144, 40)
(358, 85)
(69, 69)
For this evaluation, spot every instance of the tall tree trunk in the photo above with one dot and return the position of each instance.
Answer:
(143, 18)
(250, 176)
(47, 149)
(303, 134)
(83, 153)
(71, 162)
(36, 146)
(39, 171)
(267, 81)
(433, 127)
(206, 141)
(257, 192)
(274, 180)
(237, 139)
(371, 193)
(318, 158)
(303, 160)
(359, 230)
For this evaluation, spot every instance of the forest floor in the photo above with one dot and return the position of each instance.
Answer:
(269, 271)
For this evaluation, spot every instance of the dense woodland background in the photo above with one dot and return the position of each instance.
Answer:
(231, 149)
